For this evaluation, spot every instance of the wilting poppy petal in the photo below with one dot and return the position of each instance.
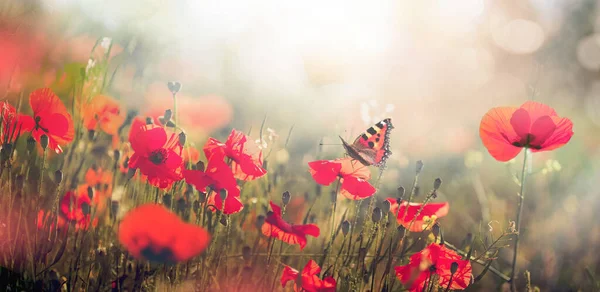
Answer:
(427, 216)
(356, 189)
(156, 234)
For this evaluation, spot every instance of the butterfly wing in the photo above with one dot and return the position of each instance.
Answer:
(373, 146)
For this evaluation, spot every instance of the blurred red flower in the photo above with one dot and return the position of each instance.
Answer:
(353, 176)
(50, 117)
(154, 233)
(310, 279)
(425, 219)
(103, 112)
(76, 207)
(219, 177)
(246, 158)
(435, 260)
(505, 130)
(276, 227)
(191, 155)
(11, 127)
(156, 154)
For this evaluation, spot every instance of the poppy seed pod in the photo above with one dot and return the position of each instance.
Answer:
(58, 177)
(131, 173)
(223, 220)
(86, 208)
(285, 197)
(435, 230)
(401, 230)
(401, 192)
(91, 135)
(246, 253)
(167, 200)
(149, 121)
(90, 192)
(182, 138)
(126, 162)
(116, 155)
(30, 144)
(453, 267)
(346, 227)
(260, 220)
(174, 86)
(202, 197)
(376, 217)
(200, 166)
(223, 194)
(181, 204)
(168, 114)
(44, 140)
(419, 166)
(386, 206)
(196, 206)
(437, 183)
(114, 209)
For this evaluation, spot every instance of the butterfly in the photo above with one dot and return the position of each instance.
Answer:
(373, 146)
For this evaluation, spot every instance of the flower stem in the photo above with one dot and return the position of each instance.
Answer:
(518, 222)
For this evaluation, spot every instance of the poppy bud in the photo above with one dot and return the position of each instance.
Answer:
(126, 162)
(376, 214)
(85, 208)
(417, 191)
(174, 87)
(437, 183)
(246, 252)
(149, 121)
(116, 155)
(264, 164)
(200, 166)
(202, 197)
(131, 173)
(30, 144)
(53, 274)
(419, 166)
(345, 227)
(285, 197)
(333, 196)
(182, 138)
(401, 192)
(223, 195)
(58, 176)
(90, 192)
(386, 206)
(44, 140)
(91, 135)
(181, 204)
(223, 220)
(168, 114)
(167, 200)
(260, 220)
(401, 230)
(114, 209)
(435, 230)
(453, 268)
(196, 206)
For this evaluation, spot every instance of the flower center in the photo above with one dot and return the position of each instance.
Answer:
(158, 156)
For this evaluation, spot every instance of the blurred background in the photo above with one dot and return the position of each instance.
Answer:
(332, 67)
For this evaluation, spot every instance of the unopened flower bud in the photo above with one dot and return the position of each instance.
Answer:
(223, 220)
(376, 214)
(200, 166)
(90, 192)
(453, 268)
(174, 87)
(223, 195)
(401, 192)
(435, 230)
(30, 144)
(167, 200)
(246, 253)
(386, 206)
(196, 206)
(131, 173)
(149, 121)
(285, 197)
(202, 197)
(58, 176)
(401, 230)
(346, 227)
(260, 220)
(116, 155)
(126, 162)
(114, 209)
(44, 140)
(181, 204)
(168, 114)
(91, 135)
(182, 138)
(333, 196)
(437, 183)
(419, 166)
(85, 209)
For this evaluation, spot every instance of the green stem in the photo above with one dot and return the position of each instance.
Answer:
(518, 222)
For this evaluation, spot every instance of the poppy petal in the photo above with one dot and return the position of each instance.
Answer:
(287, 275)
(497, 133)
(324, 172)
(541, 129)
(560, 136)
(537, 110)
(355, 188)
(521, 123)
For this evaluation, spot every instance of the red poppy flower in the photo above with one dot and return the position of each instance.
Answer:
(100, 179)
(505, 130)
(311, 281)
(246, 158)
(275, 226)
(154, 233)
(353, 176)
(50, 117)
(426, 218)
(191, 154)
(156, 154)
(11, 127)
(218, 176)
(104, 112)
(434, 263)
(75, 206)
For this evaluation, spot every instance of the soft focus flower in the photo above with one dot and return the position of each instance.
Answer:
(425, 219)
(246, 158)
(434, 263)
(154, 233)
(103, 112)
(311, 282)
(11, 127)
(191, 155)
(505, 130)
(75, 206)
(22, 51)
(276, 227)
(353, 176)
(156, 154)
(50, 117)
(219, 177)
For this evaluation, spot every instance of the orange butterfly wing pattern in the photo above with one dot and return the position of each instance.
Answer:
(373, 146)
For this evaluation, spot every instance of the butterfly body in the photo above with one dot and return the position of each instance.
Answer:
(373, 146)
